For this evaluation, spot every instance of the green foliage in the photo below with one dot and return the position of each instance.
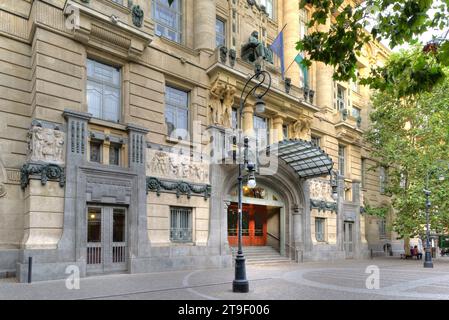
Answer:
(397, 22)
(380, 212)
(410, 136)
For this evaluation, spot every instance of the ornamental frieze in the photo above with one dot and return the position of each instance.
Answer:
(44, 172)
(45, 144)
(322, 205)
(178, 187)
(320, 189)
(161, 164)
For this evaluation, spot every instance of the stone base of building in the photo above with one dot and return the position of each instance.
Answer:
(173, 258)
(8, 260)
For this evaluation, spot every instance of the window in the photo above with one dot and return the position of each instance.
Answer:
(103, 91)
(261, 125)
(285, 132)
(114, 154)
(118, 1)
(167, 19)
(234, 118)
(220, 28)
(95, 151)
(356, 112)
(383, 179)
(176, 113)
(355, 83)
(180, 224)
(319, 229)
(315, 141)
(341, 159)
(341, 96)
(303, 22)
(363, 173)
(268, 4)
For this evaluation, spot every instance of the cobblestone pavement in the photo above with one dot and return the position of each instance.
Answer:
(345, 280)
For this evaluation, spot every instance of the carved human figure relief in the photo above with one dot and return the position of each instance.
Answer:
(216, 102)
(177, 167)
(320, 190)
(46, 144)
(228, 103)
(301, 129)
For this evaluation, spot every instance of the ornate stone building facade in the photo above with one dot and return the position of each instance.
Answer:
(104, 105)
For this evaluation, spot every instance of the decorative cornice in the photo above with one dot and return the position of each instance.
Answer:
(322, 205)
(178, 187)
(47, 172)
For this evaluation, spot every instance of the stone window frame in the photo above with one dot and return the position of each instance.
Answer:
(120, 87)
(187, 107)
(179, 12)
(342, 159)
(225, 33)
(340, 101)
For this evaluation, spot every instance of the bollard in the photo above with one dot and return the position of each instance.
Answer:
(371, 254)
(30, 268)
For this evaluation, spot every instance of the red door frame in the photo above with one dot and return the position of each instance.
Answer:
(250, 237)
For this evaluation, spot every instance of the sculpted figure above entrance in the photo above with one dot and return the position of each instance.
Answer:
(221, 100)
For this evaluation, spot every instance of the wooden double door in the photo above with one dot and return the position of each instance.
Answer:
(254, 225)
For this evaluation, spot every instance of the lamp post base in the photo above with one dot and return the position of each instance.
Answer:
(240, 283)
(428, 260)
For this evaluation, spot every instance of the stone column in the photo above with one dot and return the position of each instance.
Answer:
(247, 118)
(204, 24)
(278, 134)
(291, 37)
(324, 84)
(139, 242)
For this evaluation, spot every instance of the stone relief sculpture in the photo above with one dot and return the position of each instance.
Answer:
(228, 102)
(320, 189)
(162, 164)
(3, 180)
(45, 145)
(301, 128)
(221, 101)
(216, 102)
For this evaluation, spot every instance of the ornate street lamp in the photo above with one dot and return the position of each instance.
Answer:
(240, 283)
(428, 256)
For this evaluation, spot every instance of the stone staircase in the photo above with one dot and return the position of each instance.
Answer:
(261, 255)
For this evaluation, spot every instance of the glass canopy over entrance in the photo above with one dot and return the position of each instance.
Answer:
(306, 159)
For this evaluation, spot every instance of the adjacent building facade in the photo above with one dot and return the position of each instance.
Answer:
(107, 108)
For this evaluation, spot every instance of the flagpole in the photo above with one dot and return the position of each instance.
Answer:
(290, 64)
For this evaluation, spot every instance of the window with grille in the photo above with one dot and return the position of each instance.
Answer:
(96, 151)
(103, 91)
(315, 141)
(382, 228)
(168, 19)
(319, 229)
(341, 159)
(220, 28)
(180, 224)
(176, 113)
(114, 154)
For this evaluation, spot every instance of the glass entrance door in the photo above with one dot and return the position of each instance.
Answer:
(254, 225)
(348, 231)
(106, 239)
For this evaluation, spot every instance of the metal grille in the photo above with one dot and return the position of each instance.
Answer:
(119, 252)
(94, 255)
(180, 224)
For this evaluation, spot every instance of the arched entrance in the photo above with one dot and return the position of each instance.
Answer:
(263, 211)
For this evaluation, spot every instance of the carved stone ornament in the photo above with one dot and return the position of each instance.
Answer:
(178, 187)
(45, 145)
(137, 14)
(301, 128)
(232, 56)
(323, 205)
(223, 54)
(221, 100)
(45, 171)
(3, 179)
(320, 189)
(166, 165)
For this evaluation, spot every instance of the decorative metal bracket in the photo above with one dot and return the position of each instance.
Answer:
(179, 187)
(322, 205)
(47, 172)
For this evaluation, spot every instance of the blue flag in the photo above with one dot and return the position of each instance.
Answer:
(278, 48)
(304, 70)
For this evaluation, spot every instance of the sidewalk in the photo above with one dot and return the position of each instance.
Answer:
(398, 279)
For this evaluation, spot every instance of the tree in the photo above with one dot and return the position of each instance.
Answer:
(396, 22)
(410, 136)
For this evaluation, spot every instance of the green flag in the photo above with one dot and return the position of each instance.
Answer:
(299, 58)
